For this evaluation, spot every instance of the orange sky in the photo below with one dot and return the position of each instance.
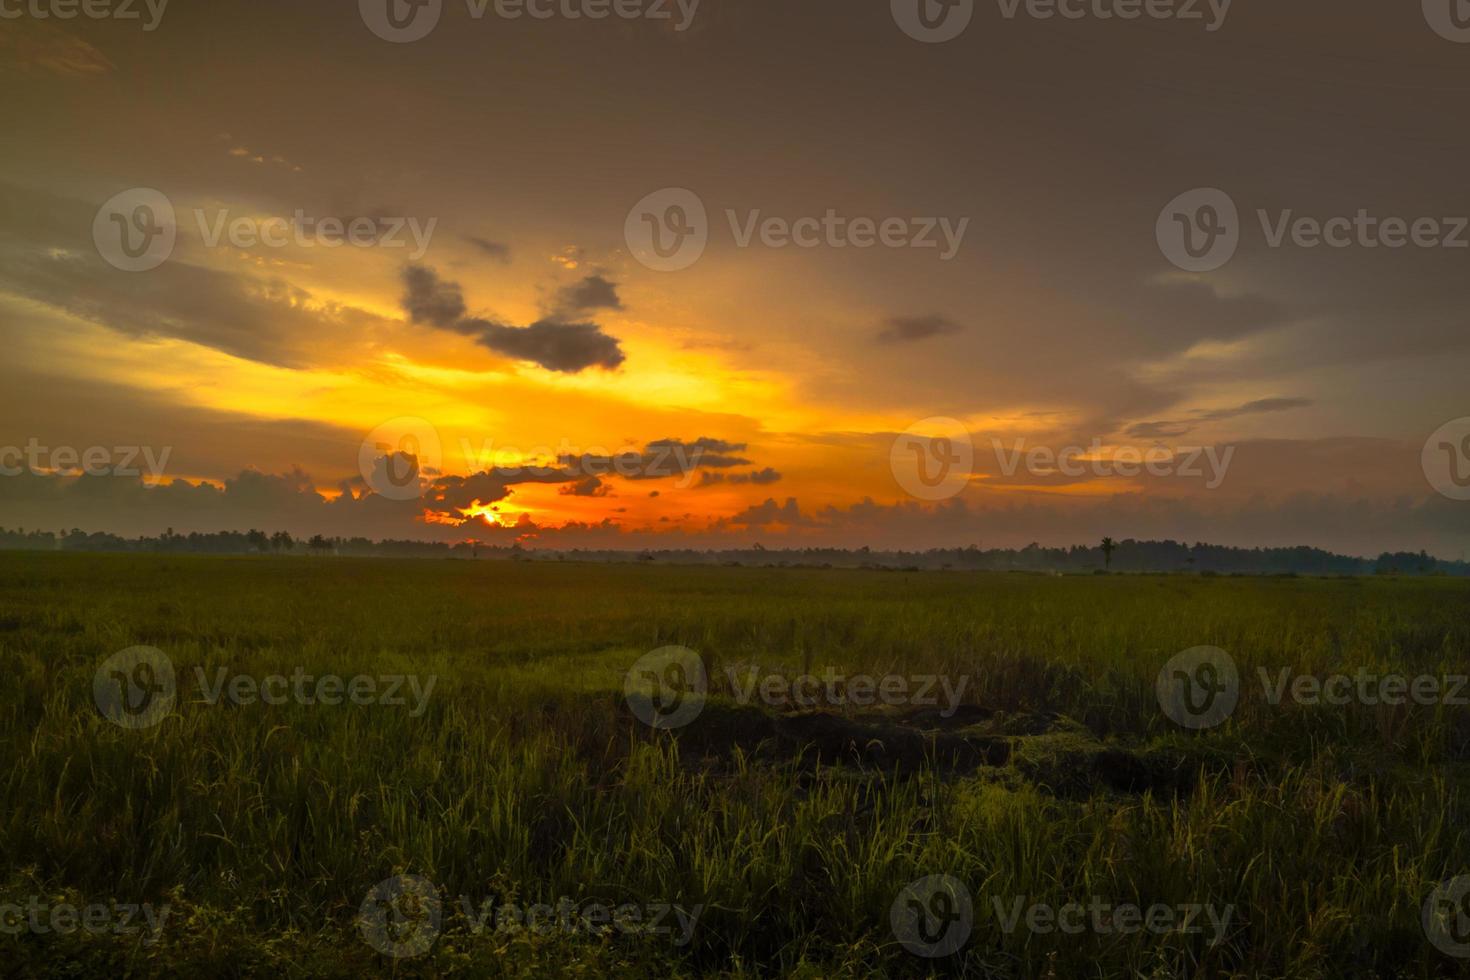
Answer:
(1057, 322)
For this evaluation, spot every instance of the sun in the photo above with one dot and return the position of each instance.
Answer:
(483, 511)
(466, 515)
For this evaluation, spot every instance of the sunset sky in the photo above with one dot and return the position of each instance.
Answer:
(527, 330)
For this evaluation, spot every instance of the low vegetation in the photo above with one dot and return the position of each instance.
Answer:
(777, 832)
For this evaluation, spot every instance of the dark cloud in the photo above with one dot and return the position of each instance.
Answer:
(661, 459)
(428, 299)
(496, 250)
(1259, 405)
(557, 346)
(769, 512)
(704, 451)
(1159, 430)
(566, 347)
(587, 487)
(1176, 428)
(592, 293)
(447, 494)
(756, 477)
(907, 329)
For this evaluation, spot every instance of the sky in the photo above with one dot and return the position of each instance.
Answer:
(810, 272)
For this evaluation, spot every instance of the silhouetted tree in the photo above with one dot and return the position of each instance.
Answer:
(1107, 550)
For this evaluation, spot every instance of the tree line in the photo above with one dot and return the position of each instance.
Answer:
(1128, 555)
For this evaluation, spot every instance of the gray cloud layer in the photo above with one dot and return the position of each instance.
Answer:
(1353, 524)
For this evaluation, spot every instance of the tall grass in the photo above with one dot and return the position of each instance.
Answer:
(526, 779)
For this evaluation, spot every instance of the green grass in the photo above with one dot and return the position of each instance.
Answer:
(527, 779)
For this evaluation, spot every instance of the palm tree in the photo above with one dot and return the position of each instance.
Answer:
(1107, 550)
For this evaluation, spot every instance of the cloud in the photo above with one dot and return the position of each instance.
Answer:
(569, 257)
(496, 250)
(1184, 311)
(661, 459)
(1159, 430)
(555, 345)
(592, 293)
(756, 477)
(241, 152)
(427, 299)
(1259, 405)
(46, 255)
(908, 329)
(587, 487)
(769, 512)
(32, 46)
(1345, 510)
(1173, 429)
(447, 494)
(566, 347)
(201, 441)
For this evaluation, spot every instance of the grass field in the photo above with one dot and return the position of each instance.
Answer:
(763, 837)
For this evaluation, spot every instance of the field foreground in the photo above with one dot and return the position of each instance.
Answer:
(421, 768)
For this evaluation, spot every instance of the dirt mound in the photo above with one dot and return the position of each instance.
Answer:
(816, 737)
(1048, 750)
